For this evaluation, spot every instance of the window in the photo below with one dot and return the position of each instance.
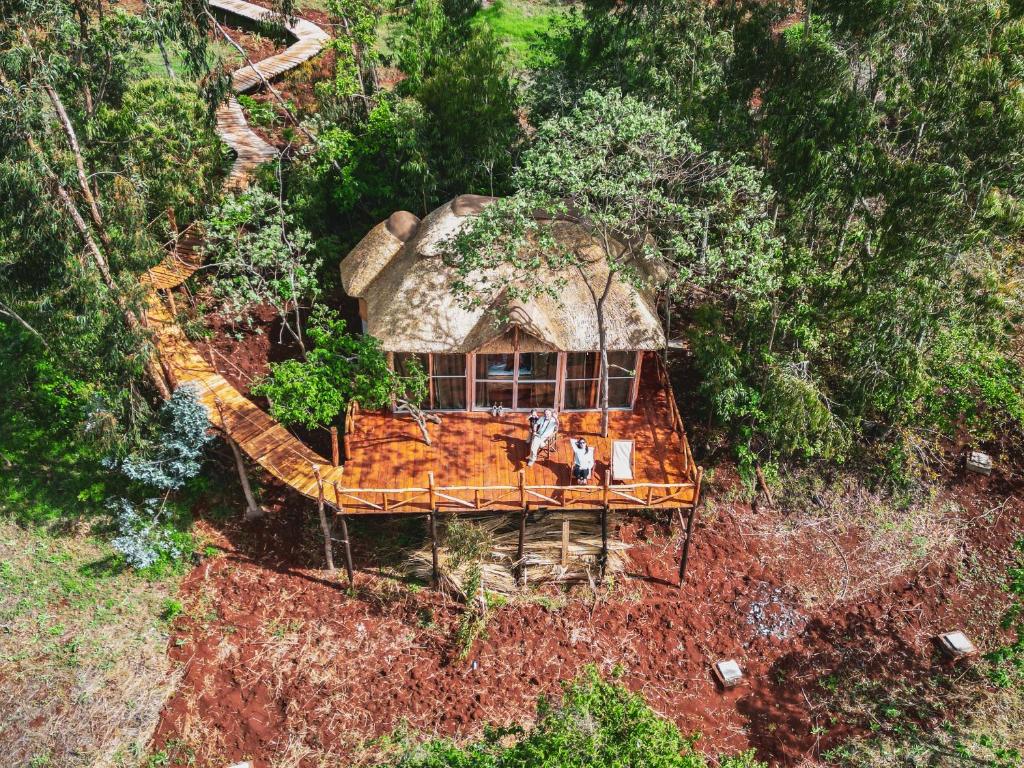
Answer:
(448, 382)
(447, 391)
(583, 380)
(520, 380)
(538, 376)
(621, 373)
(495, 381)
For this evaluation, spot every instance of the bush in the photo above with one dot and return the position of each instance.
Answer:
(598, 723)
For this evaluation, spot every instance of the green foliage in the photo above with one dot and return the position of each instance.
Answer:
(260, 113)
(891, 135)
(451, 125)
(520, 25)
(51, 475)
(261, 258)
(597, 724)
(339, 367)
(1008, 660)
(174, 454)
(161, 137)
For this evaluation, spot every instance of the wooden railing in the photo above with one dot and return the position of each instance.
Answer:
(504, 498)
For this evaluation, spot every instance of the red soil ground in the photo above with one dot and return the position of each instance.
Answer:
(279, 659)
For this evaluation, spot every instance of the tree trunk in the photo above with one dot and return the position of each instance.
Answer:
(252, 509)
(100, 261)
(76, 150)
(602, 334)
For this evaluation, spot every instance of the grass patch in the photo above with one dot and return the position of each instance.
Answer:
(153, 62)
(81, 651)
(519, 24)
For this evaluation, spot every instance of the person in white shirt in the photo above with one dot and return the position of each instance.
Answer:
(544, 430)
(583, 460)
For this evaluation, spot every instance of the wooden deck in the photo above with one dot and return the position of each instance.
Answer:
(478, 462)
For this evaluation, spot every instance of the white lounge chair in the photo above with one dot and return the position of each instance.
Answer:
(622, 460)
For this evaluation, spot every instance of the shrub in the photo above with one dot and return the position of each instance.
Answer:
(174, 456)
(598, 723)
(146, 534)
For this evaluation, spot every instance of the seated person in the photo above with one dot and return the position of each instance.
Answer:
(544, 431)
(582, 460)
(534, 418)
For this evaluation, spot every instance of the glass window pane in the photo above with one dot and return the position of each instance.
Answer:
(493, 393)
(581, 394)
(450, 394)
(449, 365)
(538, 366)
(495, 366)
(619, 392)
(581, 365)
(536, 395)
(621, 364)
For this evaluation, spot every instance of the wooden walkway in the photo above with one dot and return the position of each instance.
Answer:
(261, 437)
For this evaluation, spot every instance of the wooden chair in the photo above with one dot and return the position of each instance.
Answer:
(622, 460)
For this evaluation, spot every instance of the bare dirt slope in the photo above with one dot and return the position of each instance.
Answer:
(283, 665)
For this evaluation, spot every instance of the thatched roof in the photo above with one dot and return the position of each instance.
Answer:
(398, 270)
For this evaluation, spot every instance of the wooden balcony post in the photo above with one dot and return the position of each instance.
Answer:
(522, 488)
(565, 543)
(689, 529)
(434, 571)
(335, 458)
(607, 493)
(325, 527)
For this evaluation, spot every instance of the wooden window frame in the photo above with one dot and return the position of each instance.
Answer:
(559, 361)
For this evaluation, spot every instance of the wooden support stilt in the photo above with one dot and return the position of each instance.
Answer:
(604, 540)
(521, 549)
(435, 572)
(324, 525)
(170, 300)
(347, 549)
(252, 509)
(565, 543)
(335, 457)
(344, 533)
(689, 529)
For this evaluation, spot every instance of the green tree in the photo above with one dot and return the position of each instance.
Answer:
(597, 723)
(645, 192)
(77, 226)
(340, 367)
(260, 258)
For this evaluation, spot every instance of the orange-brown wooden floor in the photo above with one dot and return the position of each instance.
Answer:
(477, 449)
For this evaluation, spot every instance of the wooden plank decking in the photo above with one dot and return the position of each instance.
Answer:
(476, 460)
